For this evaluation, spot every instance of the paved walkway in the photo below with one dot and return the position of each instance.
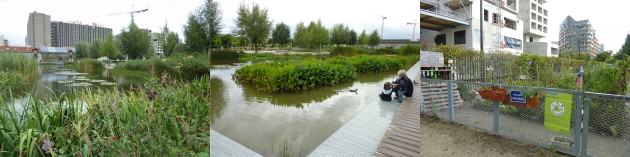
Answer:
(403, 136)
(223, 146)
(362, 134)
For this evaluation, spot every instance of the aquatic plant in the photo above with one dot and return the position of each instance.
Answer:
(17, 73)
(112, 122)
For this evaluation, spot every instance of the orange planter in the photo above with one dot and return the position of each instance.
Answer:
(494, 94)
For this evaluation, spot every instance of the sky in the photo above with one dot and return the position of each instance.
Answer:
(357, 14)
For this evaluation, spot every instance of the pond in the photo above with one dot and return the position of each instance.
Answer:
(267, 123)
(58, 79)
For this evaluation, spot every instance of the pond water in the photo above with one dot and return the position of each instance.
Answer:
(299, 122)
(56, 80)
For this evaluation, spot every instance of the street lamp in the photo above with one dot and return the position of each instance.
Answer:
(413, 35)
(383, 24)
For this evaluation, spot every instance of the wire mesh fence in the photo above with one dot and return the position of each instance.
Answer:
(599, 123)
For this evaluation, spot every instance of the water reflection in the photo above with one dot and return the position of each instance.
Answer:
(217, 98)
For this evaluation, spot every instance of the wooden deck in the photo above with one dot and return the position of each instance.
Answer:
(403, 136)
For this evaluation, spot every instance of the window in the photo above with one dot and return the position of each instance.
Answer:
(495, 18)
(545, 29)
(533, 16)
(545, 20)
(540, 10)
(485, 15)
(510, 23)
(531, 39)
(533, 25)
(539, 27)
(539, 18)
(460, 37)
(440, 39)
(512, 43)
(545, 12)
(533, 6)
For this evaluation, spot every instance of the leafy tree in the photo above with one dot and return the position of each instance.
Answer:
(340, 35)
(134, 42)
(108, 48)
(374, 39)
(227, 41)
(281, 34)
(95, 49)
(209, 17)
(196, 39)
(625, 49)
(254, 24)
(364, 39)
(81, 50)
(170, 41)
(300, 35)
(319, 34)
(353, 38)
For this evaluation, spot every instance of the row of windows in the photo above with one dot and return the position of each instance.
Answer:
(538, 27)
(539, 9)
(496, 19)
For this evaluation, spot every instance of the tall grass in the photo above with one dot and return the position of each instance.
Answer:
(165, 118)
(17, 73)
(89, 65)
(186, 67)
(312, 73)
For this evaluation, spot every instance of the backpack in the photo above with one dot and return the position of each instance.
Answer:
(409, 84)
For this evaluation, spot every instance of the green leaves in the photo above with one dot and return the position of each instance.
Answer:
(312, 73)
(253, 23)
(281, 34)
(134, 42)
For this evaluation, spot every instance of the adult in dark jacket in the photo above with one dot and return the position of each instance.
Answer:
(403, 86)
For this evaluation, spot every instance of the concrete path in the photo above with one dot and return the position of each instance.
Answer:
(221, 146)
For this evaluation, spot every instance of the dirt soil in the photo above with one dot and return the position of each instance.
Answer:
(441, 138)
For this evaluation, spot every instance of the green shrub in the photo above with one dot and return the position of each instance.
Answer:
(409, 50)
(348, 51)
(186, 67)
(312, 73)
(89, 65)
(225, 55)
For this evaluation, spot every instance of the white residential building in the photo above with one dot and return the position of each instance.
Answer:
(508, 25)
(156, 42)
(457, 22)
(2, 41)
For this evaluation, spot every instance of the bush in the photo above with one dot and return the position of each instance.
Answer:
(348, 51)
(186, 67)
(409, 50)
(312, 73)
(89, 65)
(224, 55)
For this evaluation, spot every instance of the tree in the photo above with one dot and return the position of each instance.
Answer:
(281, 34)
(95, 49)
(227, 41)
(196, 39)
(81, 50)
(134, 42)
(300, 35)
(363, 39)
(108, 48)
(374, 39)
(254, 24)
(170, 41)
(319, 33)
(340, 35)
(353, 38)
(209, 17)
(625, 49)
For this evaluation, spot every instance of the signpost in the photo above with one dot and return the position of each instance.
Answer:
(516, 96)
(558, 108)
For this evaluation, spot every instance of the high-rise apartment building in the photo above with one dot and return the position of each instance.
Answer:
(2, 41)
(67, 34)
(535, 18)
(578, 37)
(156, 41)
(38, 30)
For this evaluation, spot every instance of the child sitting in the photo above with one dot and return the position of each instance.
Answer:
(386, 95)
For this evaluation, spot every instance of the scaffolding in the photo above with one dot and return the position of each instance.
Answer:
(499, 24)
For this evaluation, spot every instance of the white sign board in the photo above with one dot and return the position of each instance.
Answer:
(431, 59)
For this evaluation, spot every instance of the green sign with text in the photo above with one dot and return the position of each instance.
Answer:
(558, 108)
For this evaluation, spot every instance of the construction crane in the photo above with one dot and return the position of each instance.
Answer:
(131, 13)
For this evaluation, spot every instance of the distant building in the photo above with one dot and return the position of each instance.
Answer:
(156, 41)
(68, 34)
(601, 48)
(38, 30)
(3, 42)
(578, 37)
(396, 43)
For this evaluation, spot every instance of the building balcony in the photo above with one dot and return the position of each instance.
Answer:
(436, 17)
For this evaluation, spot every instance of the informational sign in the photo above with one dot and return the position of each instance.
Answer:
(558, 112)
(516, 96)
(431, 59)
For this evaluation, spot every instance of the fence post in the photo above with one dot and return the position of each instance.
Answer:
(421, 97)
(495, 111)
(577, 121)
(585, 120)
(450, 100)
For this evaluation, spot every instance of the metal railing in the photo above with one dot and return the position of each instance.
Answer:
(447, 13)
(600, 123)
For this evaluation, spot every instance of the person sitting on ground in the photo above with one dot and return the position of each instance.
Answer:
(386, 95)
(403, 86)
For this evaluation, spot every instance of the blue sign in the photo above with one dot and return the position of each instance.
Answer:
(516, 96)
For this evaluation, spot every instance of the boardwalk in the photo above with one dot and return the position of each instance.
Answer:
(403, 136)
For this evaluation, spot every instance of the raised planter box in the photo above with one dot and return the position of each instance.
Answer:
(494, 94)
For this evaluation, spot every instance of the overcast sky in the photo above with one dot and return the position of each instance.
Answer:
(358, 14)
